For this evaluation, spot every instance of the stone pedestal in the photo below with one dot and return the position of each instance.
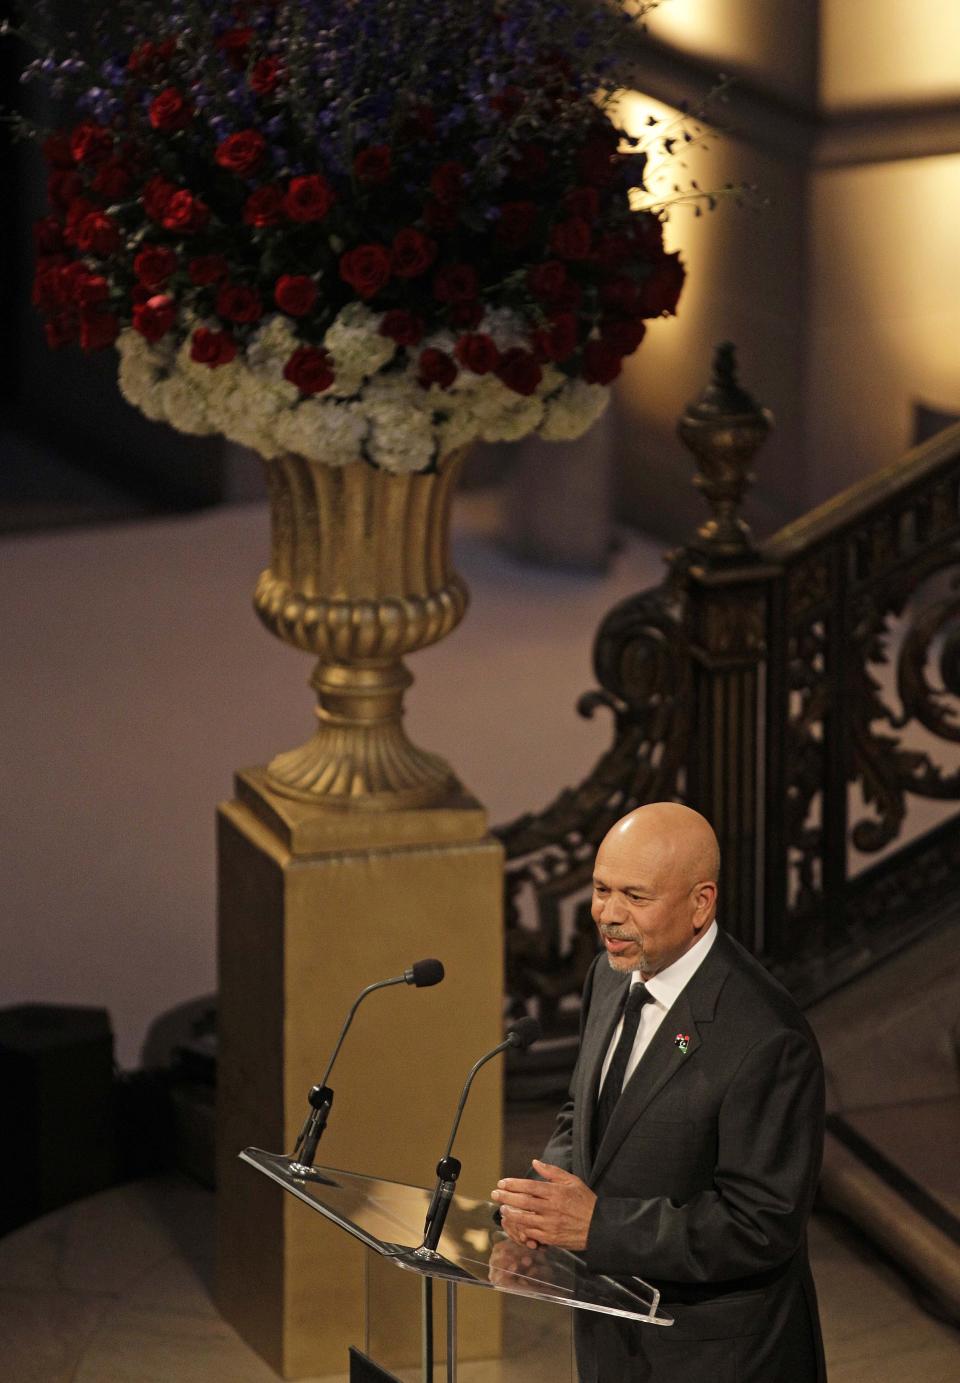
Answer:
(314, 905)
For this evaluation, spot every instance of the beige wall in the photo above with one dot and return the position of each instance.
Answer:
(745, 282)
(878, 52)
(772, 42)
(843, 294)
(884, 312)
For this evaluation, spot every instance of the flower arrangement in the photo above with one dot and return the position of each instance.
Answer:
(376, 228)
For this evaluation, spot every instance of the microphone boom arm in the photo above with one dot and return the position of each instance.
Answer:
(466, 1090)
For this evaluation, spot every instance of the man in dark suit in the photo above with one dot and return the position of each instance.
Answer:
(689, 1149)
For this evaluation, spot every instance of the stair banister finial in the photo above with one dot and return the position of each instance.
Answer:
(723, 428)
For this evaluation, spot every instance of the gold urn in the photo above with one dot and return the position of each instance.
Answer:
(360, 575)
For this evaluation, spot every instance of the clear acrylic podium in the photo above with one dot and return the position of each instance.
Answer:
(388, 1218)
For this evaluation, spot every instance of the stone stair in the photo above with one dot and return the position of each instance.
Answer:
(891, 1046)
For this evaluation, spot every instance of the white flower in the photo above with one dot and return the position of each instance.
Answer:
(514, 422)
(393, 420)
(402, 435)
(323, 430)
(357, 348)
(505, 327)
(183, 405)
(572, 410)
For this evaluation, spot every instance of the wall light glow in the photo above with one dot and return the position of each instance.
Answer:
(632, 111)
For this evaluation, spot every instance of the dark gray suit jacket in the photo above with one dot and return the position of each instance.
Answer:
(705, 1178)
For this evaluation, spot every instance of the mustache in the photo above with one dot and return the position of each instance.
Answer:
(616, 933)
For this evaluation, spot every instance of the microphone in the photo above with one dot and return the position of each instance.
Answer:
(522, 1035)
(422, 974)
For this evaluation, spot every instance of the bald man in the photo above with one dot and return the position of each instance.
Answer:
(690, 1146)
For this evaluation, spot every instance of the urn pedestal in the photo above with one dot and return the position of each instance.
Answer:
(339, 864)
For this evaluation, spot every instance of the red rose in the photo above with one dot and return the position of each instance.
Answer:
(79, 208)
(295, 294)
(570, 297)
(613, 248)
(149, 57)
(71, 280)
(519, 371)
(212, 348)
(601, 363)
(366, 269)
(234, 44)
(153, 265)
(241, 153)
(547, 281)
(239, 303)
(404, 327)
(113, 180)
(515, 223)
(185, 212)
(47, 293)
(413, 253)
(373, 165)
(156, 197)
(571, 239)
(98, 330)
(436, 367)
(583, 202)
(207, 269)
(264, 207)
(57, 150)
(154, 318)
(558, 339)
(310, 369)
(61, 330)
(440, 217)
(623, 335)
(91, 290)
(466, 315)
(477, 353)
(47, 235)
(446, 181)
(63, 188)
(529, 163)
(646, 235)
(619, 293)
(265, 76)
(595, 159)
(455, 283)
(90, 143)
(170, 110)
(98, 234)
(308, 198)
(660, 291)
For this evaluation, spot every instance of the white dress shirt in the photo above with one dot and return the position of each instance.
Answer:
(665, 989)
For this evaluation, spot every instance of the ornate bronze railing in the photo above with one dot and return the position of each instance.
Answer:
(802, 694)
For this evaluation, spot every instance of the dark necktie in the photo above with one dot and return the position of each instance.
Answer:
(637, 995)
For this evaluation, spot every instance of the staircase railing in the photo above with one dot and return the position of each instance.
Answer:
(801, 693)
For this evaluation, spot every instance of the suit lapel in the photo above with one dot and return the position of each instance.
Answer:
(664, 1057)
(595, 1043)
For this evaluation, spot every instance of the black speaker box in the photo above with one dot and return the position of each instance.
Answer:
(56, 1091)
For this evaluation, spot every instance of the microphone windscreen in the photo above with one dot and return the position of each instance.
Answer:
(423, 973)
(524, 1033)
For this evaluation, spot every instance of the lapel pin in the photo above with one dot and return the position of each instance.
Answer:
(682, 1040)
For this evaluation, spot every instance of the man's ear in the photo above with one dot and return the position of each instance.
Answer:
(705, 896)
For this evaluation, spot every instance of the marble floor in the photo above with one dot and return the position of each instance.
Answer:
(117, 1289)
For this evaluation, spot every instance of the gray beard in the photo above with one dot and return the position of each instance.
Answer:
(620, 970)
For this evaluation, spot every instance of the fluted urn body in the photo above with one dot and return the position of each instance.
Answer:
(360, 575)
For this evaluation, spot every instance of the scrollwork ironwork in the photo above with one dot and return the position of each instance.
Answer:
(643, 666)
